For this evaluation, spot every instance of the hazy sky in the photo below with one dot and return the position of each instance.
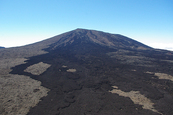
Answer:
(28, 21)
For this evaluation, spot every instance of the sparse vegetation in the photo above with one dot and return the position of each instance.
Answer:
(71, 70)
(137, 98)
(38, 68)
(17, 91)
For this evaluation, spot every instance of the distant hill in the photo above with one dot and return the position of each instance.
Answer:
(98, 37)
(1, 47)
(86, 72)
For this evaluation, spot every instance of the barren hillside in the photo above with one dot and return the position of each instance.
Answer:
(86, 72)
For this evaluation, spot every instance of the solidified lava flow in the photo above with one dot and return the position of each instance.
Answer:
(97, 73)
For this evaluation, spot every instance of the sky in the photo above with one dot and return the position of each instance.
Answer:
(28, 21)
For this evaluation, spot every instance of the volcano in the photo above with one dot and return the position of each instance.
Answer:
(86, 72)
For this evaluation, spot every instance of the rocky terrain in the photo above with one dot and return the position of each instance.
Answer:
(86, 72)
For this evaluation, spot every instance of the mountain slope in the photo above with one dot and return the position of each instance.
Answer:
(89, 72)
(106, 39)
(101, 38)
